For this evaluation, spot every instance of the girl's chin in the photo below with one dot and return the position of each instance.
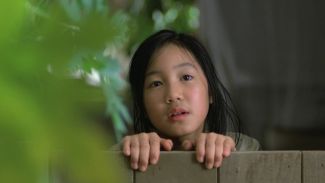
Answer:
(172, 135)
(179, 135)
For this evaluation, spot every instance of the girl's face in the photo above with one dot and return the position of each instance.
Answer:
(176, 96)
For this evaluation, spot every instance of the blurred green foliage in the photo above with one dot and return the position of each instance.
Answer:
(41, 116)
(44, 109)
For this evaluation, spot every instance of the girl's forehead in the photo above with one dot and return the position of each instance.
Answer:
(171, 53)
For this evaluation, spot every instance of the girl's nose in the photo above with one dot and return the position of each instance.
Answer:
(174, 94)
(171, 100)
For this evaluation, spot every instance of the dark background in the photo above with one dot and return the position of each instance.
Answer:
(270, 55)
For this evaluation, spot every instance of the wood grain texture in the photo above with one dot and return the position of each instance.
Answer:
(262, 167)
(177, 167)
(313, 166)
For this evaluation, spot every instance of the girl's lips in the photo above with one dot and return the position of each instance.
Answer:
(177, 114)
(179, 117)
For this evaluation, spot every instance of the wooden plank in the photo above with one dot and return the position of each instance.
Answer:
(313, 166)
(262, 167)
(177, 167)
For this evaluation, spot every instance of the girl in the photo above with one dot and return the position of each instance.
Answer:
(179, 103)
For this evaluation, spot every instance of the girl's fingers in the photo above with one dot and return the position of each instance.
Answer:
(154, 142)
(166, 144)
(144, 150)
(134, 150)
(218, 150)
(228, 146)
(126, 146)
(210, 150)
(145, 147)
(200, 147)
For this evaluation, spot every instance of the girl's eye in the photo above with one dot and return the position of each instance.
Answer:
(155, 84)
(187, 77)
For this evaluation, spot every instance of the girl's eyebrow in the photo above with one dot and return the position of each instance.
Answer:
(186, 64)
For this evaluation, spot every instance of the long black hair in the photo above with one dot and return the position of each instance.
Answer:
(222, 116)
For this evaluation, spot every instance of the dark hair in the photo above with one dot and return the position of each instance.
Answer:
(221, 116)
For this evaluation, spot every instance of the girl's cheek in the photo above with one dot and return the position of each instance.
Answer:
(152, 99)
(199, 92)
(153, 94)
(200, 98)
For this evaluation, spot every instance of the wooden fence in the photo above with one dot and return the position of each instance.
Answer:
(240, 167)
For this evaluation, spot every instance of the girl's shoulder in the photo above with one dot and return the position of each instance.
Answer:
(245, 142)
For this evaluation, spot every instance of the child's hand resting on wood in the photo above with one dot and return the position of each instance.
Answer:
(144, 148)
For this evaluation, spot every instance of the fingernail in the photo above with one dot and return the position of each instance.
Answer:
(201, 159)
(153, 161)
(134, 166)
(208, 165)
(142, 168)
(217, 164)
(227, 153)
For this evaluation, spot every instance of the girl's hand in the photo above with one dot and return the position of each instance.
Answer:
(211, 148)
(144, 148)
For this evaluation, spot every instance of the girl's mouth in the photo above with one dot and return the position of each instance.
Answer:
(177, 114)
